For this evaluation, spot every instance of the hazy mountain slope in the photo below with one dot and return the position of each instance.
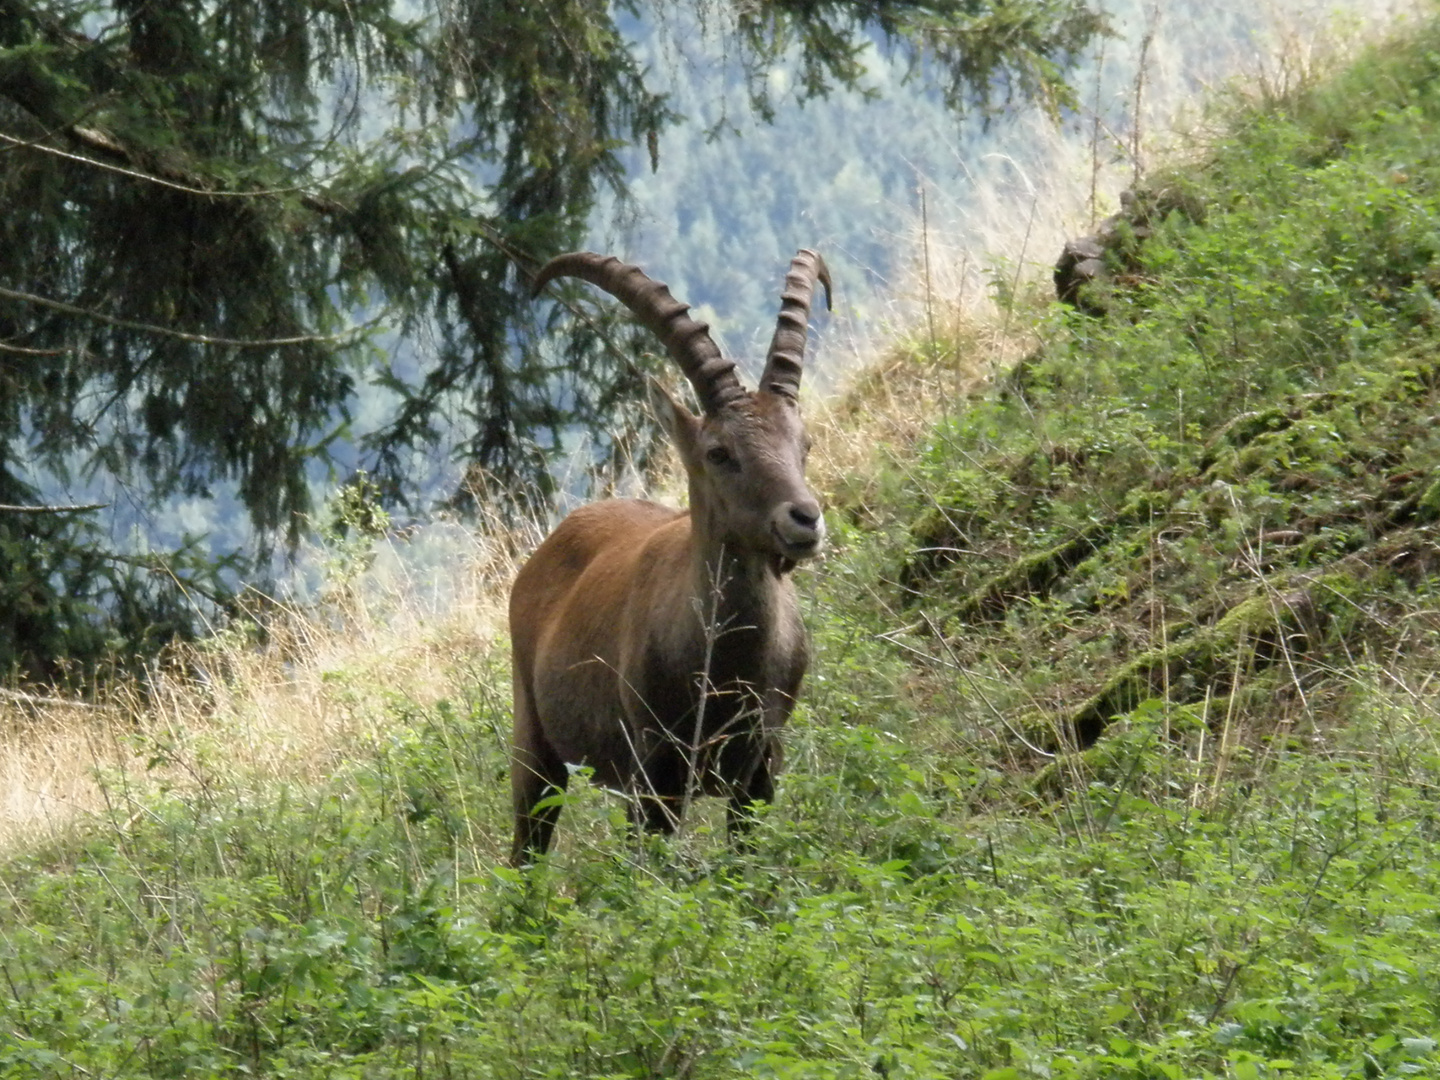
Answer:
(721, 216)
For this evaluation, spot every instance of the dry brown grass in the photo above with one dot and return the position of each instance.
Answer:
(889, 405)
(327, 682)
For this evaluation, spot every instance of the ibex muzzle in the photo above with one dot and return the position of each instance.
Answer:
(663, 648)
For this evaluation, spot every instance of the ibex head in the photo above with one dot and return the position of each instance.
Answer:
(745, 453)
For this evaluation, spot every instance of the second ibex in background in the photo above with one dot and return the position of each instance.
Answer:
(663, 648)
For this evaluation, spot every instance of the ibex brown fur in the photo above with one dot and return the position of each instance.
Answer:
(664, 648)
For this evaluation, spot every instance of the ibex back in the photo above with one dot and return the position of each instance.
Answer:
(663, 648)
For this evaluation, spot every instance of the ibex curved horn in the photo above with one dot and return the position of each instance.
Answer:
(687, 340)
(787, 347)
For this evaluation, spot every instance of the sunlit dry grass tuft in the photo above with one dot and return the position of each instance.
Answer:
(318, 686)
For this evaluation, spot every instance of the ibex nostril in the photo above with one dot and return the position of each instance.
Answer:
(804, 517)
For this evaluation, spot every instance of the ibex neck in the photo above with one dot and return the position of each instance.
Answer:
(738, 588)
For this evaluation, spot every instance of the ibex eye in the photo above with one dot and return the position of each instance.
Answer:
(718, 455)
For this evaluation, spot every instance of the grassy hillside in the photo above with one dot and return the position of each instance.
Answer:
(1118, 758)
(1224, 494)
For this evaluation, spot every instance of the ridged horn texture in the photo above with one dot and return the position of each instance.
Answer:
(787, 348)
(687, 340)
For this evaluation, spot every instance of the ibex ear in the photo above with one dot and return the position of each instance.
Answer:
(679, 421)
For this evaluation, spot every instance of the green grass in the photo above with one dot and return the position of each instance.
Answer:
(1197, 536)
(1159, 921)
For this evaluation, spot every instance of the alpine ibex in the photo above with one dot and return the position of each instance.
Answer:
(664, 648)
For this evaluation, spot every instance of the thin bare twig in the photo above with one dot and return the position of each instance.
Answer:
(20, 350)
(151, 328)
(6, 508)
(101, 141)
(21, 698)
